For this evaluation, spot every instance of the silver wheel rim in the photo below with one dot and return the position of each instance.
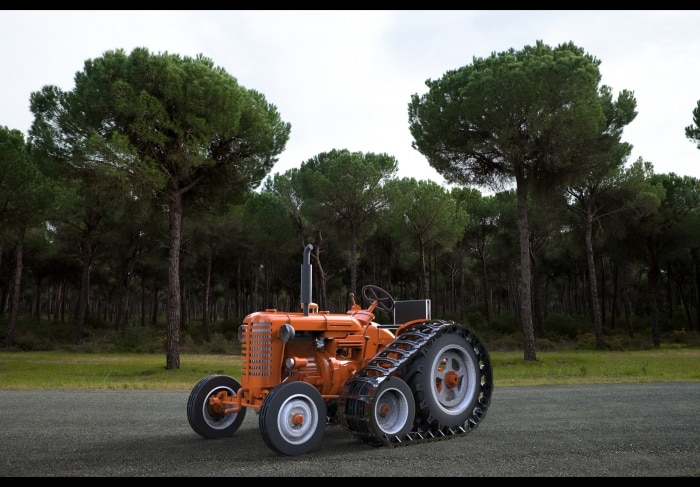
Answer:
(454, 378)
(391, 411)
(292, 430)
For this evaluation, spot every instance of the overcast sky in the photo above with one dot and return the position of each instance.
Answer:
(344, 79)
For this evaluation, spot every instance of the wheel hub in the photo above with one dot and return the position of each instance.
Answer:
(451, 379)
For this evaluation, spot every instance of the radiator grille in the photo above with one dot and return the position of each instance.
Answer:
(257, 350)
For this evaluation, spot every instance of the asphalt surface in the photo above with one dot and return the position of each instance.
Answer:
(622, 430)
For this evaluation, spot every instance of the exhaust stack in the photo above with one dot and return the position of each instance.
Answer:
(306, 279)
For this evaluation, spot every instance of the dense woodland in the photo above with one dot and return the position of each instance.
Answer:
(143, 199)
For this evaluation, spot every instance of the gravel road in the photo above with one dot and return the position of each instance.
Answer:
(630, 430)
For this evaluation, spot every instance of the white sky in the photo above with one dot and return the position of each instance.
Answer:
(344, 79)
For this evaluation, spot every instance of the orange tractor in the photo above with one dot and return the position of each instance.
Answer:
(417, 379)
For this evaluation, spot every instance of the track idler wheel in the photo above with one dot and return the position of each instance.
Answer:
(393, 409)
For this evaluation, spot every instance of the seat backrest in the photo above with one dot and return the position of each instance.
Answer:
(413, 309)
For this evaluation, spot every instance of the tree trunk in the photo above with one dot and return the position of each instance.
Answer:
(653, 283)
(593, 284)
(143, 301)
(323, 278)
(16, 290)
(206, 321)
(124, 294)
(485, 285)
(686, 305)
(626, 298)
(84, 293)
(172, 360)
(60, 305)
(36, 309)
(615, 305)
(353, 261)
(695, 253)
(525, 276)
(536, 291)
(423, 282)
(155, 290)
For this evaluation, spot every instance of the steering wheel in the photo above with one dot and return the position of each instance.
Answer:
(373, 293)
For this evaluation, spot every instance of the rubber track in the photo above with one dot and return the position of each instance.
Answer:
(358, 392)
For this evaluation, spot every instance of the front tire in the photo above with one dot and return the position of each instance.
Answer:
(293, 418)
(210, 421)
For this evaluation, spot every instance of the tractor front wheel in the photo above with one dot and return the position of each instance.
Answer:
(208, 418)
(293, 418)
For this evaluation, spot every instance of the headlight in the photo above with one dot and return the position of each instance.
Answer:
(240, 333)
(292, 362)
(286, 333)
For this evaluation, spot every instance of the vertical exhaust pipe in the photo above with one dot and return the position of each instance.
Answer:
(306, 279)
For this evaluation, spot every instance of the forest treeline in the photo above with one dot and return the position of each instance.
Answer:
(144, 198)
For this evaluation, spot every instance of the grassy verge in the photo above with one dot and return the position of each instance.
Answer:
(596, 367)
(57, 370)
